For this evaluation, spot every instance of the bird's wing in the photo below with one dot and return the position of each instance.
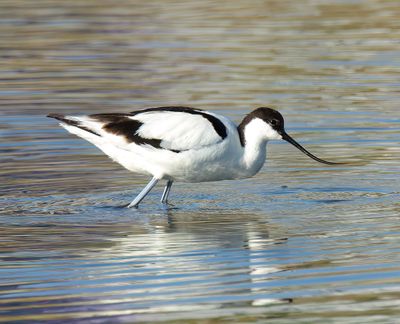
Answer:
(172, 128)
(180, 128)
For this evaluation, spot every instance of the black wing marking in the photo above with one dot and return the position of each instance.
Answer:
(122, 125)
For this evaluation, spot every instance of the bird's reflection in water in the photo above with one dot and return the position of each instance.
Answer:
(170, 260)
(202, 255)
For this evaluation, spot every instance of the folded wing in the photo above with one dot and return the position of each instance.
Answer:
(171, 128)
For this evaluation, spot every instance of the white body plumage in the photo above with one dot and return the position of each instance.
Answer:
(204, 156)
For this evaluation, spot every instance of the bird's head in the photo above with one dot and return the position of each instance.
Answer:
(272, 125)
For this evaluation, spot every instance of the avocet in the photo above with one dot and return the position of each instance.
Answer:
(183, 144)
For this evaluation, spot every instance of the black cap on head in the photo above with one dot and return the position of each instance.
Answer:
(270, 116)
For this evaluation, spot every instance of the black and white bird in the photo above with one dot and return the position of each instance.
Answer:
(182, 144)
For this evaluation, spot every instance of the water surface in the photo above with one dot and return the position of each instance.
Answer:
(300, 242)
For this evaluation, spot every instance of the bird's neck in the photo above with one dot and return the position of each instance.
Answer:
(254, 145)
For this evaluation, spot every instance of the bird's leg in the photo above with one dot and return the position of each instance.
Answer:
(143, 193)
(167, 189)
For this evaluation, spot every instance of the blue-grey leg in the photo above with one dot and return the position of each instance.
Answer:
(143, 193)
(167, 189)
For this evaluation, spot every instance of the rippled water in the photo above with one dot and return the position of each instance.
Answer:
(300, 242)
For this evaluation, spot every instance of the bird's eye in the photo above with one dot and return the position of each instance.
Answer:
(274, 122)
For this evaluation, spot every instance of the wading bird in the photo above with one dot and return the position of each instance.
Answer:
(182, 144)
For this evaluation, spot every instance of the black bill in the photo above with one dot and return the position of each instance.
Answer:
(289, 139)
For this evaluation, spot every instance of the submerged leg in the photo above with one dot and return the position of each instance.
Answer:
(167, 189)
(143, 193)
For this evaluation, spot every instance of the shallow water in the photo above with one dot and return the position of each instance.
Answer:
(300, 242)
